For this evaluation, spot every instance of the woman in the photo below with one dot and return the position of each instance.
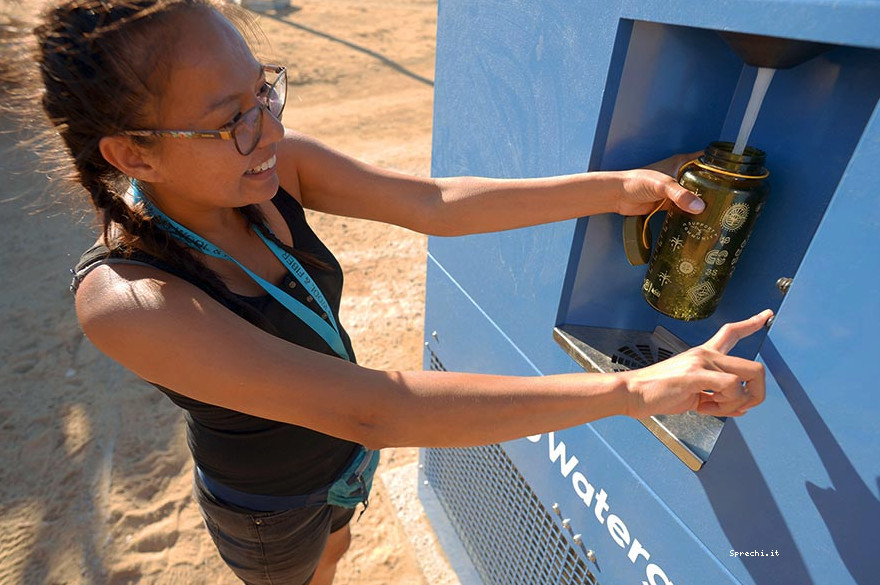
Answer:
(208, 283)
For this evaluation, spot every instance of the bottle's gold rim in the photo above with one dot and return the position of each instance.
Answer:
(712, 169)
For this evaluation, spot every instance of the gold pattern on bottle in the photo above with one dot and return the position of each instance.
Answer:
(701, 293)
(716, 257)
(686, 267)
(699, 230)
(735, 216)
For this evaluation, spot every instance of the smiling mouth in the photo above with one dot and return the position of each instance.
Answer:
(269, 164)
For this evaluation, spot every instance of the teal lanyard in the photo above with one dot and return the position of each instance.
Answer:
(328, 330)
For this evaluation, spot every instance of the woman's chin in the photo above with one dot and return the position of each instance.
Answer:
(260, 187)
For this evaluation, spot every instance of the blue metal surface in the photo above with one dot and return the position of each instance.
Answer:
(532, 89)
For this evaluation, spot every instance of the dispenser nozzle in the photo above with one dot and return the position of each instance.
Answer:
(772, 52)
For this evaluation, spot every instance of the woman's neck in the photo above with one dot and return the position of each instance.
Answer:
(209, 221)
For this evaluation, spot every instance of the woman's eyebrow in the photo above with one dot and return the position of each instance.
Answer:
(229, 98)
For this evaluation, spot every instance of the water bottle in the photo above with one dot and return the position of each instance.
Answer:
(696, 254)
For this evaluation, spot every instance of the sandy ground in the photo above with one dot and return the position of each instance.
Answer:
(95, 477)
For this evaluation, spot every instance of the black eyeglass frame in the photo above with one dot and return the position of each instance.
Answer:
(230, 134)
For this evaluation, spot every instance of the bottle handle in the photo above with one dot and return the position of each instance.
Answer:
(637, 232)
(634, 226)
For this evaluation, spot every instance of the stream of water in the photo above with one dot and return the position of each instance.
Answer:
(762, 82)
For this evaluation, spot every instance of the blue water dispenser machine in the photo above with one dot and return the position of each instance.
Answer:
(785, 495)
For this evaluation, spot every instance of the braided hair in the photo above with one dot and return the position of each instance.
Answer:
(103, 71)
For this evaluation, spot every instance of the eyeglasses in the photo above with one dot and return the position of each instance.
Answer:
(247, 129)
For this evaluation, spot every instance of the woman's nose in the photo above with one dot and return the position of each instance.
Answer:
(272, 130)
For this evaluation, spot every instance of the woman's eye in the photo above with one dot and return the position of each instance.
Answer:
(232, 122)
(265, 90)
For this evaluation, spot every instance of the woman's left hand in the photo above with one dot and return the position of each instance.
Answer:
(644, 188)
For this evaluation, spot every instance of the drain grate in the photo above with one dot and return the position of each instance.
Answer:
(638, 355)
(510, 536)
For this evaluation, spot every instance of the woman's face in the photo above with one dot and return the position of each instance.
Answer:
(214, 79)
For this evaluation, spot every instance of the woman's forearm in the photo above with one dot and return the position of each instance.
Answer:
(476, 205)
(382, 409)
(415, 408)
(444, 409)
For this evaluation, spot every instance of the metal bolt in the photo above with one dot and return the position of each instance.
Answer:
(592, 557)
(427, 344)
(566, 523)
(577, 539)
(783, 284)
(434, 335)
(555, 508)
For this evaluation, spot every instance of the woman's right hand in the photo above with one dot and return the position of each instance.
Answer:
(644, 188)
(703, 379)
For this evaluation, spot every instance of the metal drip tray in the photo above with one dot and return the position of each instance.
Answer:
(690, 436)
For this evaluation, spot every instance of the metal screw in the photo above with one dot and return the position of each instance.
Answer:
(577, 539)
(566, 523)
(592, 557)
(783, 284)
(555, 508)
(434, 335)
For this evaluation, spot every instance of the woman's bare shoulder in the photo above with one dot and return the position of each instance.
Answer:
(117, 296)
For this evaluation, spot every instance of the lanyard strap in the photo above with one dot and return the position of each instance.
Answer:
(329, 332)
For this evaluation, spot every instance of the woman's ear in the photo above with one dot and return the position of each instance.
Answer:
(126, 156)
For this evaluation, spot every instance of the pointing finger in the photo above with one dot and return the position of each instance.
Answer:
(730, 334)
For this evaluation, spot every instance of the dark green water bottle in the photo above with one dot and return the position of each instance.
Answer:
(696, 255)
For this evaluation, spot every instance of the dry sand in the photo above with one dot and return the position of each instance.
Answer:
(95, 478)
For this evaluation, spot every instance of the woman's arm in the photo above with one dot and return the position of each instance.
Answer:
(171, 333)
(332, 182)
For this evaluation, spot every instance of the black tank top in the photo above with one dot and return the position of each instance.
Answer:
(249, 453)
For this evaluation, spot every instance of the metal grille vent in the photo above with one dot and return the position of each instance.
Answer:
(510, 536)
(634, 356)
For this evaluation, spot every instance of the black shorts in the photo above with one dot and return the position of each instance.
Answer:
(269, 548)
